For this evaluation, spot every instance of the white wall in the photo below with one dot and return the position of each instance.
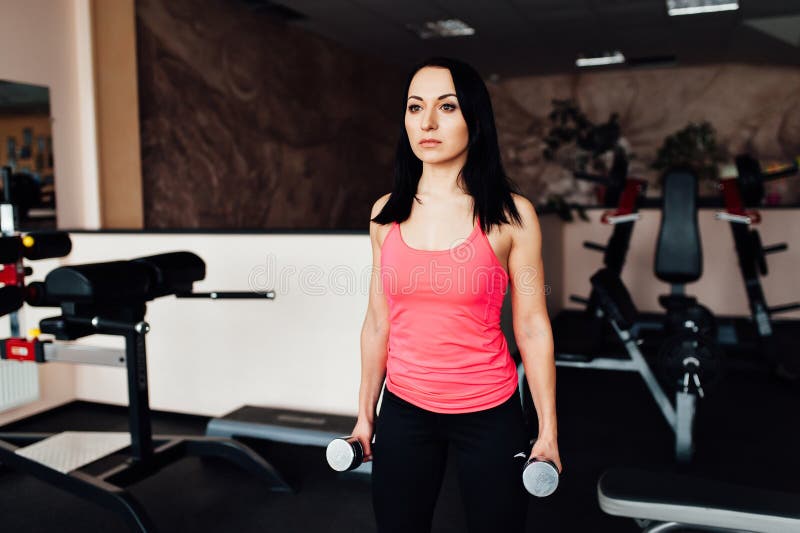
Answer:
(300, 350)
(47, 42)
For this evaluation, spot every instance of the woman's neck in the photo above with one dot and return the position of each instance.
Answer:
(442, 179)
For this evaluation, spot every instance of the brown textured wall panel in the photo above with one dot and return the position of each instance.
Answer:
(753, 108)
(249, 123)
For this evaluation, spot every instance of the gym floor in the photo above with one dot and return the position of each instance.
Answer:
(746, 433)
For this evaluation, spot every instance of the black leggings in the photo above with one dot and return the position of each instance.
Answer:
(410, 456)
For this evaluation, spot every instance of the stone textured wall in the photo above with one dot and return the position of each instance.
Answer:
(752, 108)
(249, 123)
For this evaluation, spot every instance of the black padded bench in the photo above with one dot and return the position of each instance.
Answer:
(110, 298)
(664, 502)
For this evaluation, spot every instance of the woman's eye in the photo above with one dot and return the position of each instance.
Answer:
(446, 107)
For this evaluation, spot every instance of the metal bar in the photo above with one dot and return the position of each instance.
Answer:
(737, 219)
(80, 354)
(649, 378)
(684, 447)
(594, 246)
(227, 295)
(601, 363)
(239, 454)
(775, 248)
(784, 308)
(23, 439)
(138, 400)
(84, 486)
(132, 472)
(619, 219)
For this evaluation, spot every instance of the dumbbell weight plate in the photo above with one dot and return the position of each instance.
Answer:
(344, 453)
(695, 317)
(678, 353)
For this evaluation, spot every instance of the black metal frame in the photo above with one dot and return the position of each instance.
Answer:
(147, 453)
(630, 194)
(751, 257)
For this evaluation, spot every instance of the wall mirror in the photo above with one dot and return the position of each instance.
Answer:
(27, 151)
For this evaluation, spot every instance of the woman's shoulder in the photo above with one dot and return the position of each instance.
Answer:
(529, 226)
(379, 231)
(378, 205)
(523, 205)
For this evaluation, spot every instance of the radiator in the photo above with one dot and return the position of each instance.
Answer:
(19, 384)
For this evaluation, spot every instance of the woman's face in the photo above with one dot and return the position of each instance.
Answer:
(435, 126)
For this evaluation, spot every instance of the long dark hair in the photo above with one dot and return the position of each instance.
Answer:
(483, 175)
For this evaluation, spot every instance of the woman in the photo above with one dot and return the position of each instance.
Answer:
(432, 329)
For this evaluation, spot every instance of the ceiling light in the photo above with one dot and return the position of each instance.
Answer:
(612, 58)
(784, 28)
(442, 28)
(693, 7)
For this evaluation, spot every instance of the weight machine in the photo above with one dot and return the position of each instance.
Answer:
(111, 299)
(740, 196)
(689, 358)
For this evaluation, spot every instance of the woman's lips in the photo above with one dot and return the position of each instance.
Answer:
(429, 143)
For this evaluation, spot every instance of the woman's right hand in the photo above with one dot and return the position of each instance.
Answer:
(363, 431)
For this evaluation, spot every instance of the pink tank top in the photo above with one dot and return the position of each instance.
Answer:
(447, 353)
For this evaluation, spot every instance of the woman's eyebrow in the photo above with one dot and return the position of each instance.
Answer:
(441, 97)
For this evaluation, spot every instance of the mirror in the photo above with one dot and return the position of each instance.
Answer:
(27, 149)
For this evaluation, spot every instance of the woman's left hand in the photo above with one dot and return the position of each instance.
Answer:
(547, 448)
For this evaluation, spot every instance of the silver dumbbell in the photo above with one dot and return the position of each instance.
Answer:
(345, 453)
(540, 476)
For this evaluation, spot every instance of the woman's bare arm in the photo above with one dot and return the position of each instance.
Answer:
(532, 329)
(374, 338)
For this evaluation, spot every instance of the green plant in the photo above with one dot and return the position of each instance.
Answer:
(598, 152)
(695, 146)
(570, 124)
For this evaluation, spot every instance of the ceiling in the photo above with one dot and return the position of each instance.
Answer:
(520, 37)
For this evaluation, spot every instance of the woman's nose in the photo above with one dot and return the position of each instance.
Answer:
(428, 120)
